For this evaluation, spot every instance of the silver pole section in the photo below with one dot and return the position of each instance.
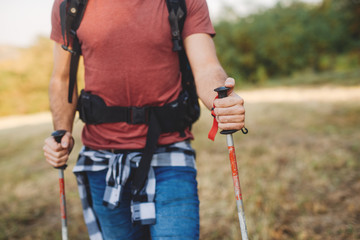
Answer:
(64, 230)
(237, 189)
(222, 93)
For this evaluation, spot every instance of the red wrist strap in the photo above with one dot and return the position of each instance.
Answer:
(214, 128)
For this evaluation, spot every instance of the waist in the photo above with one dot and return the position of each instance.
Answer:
(124, 137)
(114, 151)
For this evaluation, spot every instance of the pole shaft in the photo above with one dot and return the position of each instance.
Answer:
(237, 189)
(63, 205)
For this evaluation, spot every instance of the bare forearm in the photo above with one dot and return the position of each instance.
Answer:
(207, 80)
(209, 75)
(207, 70)
(63, 113)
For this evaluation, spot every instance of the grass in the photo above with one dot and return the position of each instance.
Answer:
(299, 171)
(24, 79)
(299, 174)
(346, 77)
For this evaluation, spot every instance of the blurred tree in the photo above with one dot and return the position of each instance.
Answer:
(288, 38)
(351, 11)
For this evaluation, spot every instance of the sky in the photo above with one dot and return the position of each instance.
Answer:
(22, 21)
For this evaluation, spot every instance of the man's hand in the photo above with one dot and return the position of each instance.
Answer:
(57, 154)
(230, 111)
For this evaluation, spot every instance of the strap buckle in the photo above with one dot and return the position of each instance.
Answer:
(66, 48)
(138, 115)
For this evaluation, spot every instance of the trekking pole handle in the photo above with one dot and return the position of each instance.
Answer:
(64, 232)
(58, 134)
(223, 93)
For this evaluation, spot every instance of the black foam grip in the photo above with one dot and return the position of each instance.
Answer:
(222, 91)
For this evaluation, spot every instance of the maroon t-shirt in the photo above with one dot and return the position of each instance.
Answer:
(129, 61)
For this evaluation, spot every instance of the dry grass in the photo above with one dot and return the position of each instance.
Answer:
(24, 78)
(299, 172)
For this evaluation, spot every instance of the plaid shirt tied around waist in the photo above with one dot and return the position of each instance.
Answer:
(119, 168)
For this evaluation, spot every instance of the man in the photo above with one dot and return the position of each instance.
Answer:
(129, 61)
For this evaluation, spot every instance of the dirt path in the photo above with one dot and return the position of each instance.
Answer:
(296, 94)
(279, 94)
(23, 120)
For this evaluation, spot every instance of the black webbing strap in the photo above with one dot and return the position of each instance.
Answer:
(177, 16)
(63, 22)
(142, 171)
(93, 110)
(71, 14)
(74, 65)
(188, 84)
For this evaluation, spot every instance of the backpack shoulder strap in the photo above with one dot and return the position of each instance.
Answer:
(177, 15)
(71, 14)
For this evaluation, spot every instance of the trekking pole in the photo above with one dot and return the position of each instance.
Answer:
(222, 93)
(58, 136)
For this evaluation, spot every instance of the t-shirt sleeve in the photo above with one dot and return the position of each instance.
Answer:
(55, 23)
(197, 19)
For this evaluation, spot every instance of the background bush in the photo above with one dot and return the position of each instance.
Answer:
(289, 38)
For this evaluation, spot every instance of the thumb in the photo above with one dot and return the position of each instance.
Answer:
(230, 83)
(65, 140)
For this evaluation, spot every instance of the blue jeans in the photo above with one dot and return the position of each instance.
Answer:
(176, 203)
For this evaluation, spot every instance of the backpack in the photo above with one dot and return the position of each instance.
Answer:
(71, 14)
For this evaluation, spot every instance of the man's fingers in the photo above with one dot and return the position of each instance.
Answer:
(232, 100)
(231, 122)
(54, 161)
(233, 110)
(231, 126)
(55, 152)
(230, 111)
(65, 140)
(230, 83)
(231, 119)
(51, 143)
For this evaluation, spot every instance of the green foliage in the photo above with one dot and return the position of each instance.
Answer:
(288, 38)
